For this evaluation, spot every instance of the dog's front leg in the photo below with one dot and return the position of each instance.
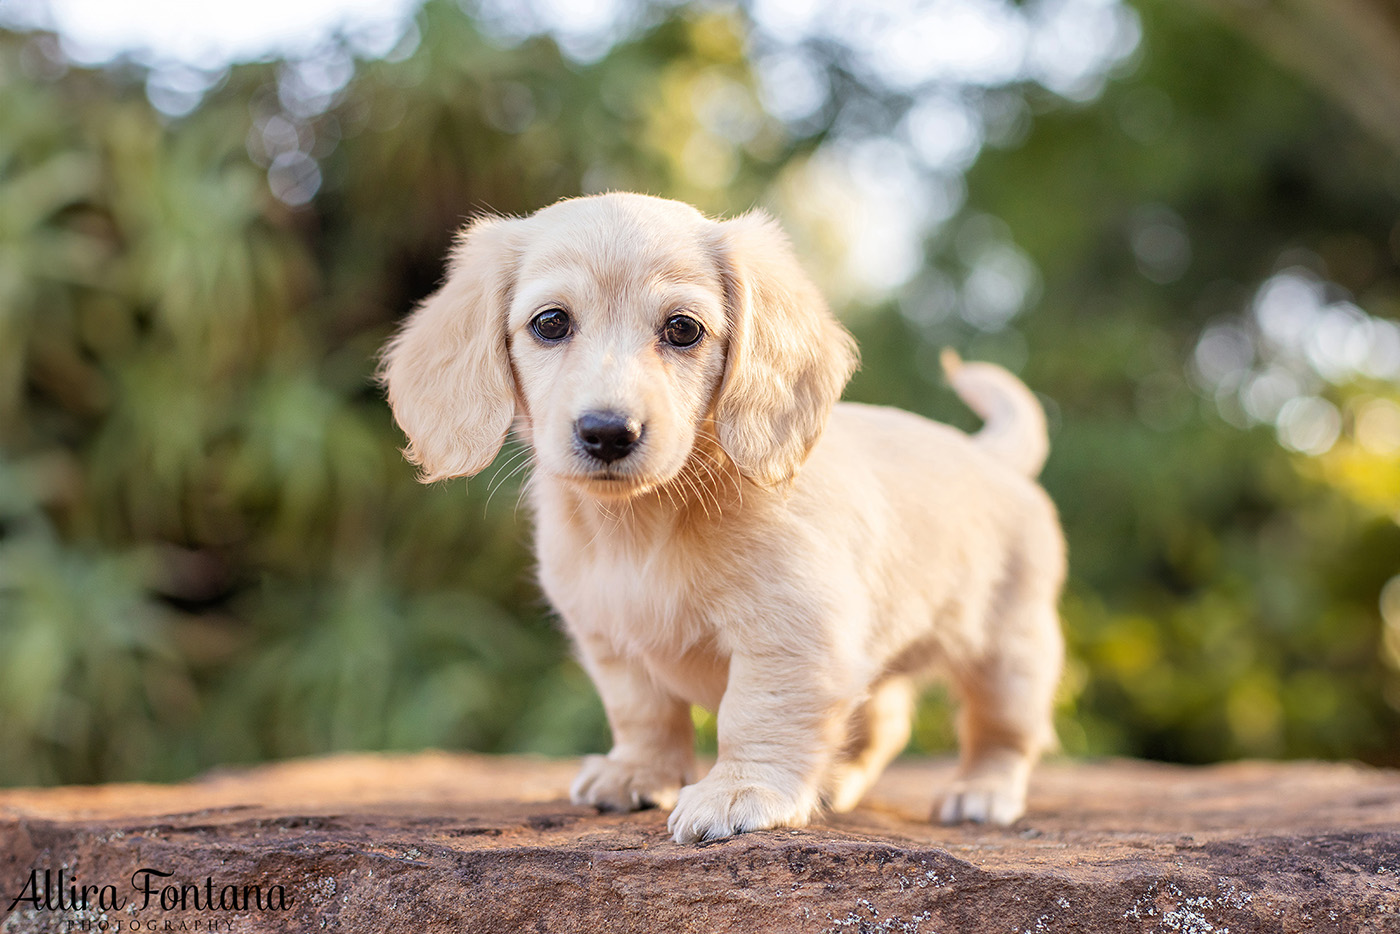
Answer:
(778, 724)
(653, 751)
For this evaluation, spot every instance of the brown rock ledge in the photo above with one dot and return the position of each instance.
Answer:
(437, 842)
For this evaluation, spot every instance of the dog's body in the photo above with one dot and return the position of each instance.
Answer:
(691, 559)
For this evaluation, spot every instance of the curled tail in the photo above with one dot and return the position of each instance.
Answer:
(1014, 431)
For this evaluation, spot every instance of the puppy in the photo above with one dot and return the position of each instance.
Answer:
(715, 529)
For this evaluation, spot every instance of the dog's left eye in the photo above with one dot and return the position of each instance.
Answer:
(681, 331)
(552, 325)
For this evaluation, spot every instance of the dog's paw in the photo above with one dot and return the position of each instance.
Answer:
(986, 799)
(721, 805)
(619, 785)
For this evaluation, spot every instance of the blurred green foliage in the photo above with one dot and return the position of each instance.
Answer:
(211, 550)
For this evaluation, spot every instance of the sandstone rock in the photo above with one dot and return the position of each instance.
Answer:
(437, 842)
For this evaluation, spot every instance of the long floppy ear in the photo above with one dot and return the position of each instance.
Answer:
(788, 358)
(447, 369)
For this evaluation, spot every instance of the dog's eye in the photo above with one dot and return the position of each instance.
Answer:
(551, 325)
(681, 331)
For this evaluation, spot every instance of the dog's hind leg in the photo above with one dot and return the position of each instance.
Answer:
(879, 731)
(1006, 717)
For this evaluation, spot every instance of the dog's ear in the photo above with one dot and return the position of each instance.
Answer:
(788, 358)
(447, 370)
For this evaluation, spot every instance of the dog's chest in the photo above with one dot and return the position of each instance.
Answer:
(647, 597)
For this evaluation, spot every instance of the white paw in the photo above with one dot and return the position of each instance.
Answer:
(721, 805)
(618, 785)
(984, 800)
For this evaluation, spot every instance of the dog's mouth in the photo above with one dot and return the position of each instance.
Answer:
(608, 482)
(619, 478)
(613, 482)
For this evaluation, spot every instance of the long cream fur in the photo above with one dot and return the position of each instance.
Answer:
(793, 564)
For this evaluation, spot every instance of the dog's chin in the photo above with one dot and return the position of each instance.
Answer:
(611, 484)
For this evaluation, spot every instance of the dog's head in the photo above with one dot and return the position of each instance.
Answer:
(619, 330)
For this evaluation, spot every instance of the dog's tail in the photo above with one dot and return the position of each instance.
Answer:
(1014, 431)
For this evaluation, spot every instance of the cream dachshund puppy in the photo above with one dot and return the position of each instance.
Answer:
(715, 529)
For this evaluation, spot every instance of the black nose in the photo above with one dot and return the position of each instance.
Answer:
(607, 435)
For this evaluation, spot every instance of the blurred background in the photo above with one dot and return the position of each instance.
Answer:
(1178, 221)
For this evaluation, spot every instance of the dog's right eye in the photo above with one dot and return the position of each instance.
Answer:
(551, 325)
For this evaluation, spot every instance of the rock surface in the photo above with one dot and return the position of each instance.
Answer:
(437, 842)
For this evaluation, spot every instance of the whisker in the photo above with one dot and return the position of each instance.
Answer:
(602, 526)
(724, 470)
(516, 471)
(718, 459)
(696, 488)
(711, 487)
(514, 444)
(509, 459)
(709, 476)
(520, 496)
(578, 505)
(512, 465)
